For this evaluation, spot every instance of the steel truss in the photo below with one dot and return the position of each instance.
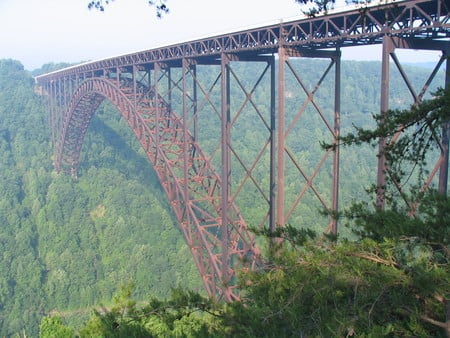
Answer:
(171, 107)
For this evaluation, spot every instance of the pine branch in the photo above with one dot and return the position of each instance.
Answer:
(373, 258)
(432, 321)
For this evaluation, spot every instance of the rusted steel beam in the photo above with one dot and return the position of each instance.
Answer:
(333, 226)
(384, 107)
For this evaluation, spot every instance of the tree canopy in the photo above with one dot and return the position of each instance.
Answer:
(318, 6)
(160, 6)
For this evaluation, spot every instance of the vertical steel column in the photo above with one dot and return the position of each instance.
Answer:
(62, 116)
(169, 87)
(337, 128)
(281, 140)
(195, 117)
(156, 70)
(273, 162)
(60, 123)
(443, 170)
(226, 164)
(384, 107)
(184, 69)
(71, 88)
(64, 94)
(60, 96)
(53, 121)
(149, 76)
(134, 71)
(54, 125)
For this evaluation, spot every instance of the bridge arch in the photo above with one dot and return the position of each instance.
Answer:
(192, 185)
(82, 106)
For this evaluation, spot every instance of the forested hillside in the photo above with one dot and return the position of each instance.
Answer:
(66, 245)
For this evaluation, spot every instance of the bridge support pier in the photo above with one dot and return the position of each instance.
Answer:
(226, 161)
(286, 130)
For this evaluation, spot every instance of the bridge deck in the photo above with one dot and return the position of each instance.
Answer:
(359, 25)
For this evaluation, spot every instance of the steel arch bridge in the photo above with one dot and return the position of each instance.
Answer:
(169, 107)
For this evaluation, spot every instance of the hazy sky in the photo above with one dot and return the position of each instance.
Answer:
(40, 31)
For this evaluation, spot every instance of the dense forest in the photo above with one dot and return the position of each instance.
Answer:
(66, 245)
(69, 245)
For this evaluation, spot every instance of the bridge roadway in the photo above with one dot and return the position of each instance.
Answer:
(159, 92)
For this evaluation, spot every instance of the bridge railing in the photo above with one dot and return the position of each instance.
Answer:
(362, 25)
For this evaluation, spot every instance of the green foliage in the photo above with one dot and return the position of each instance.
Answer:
(412, 135)
(160, 6)
(52, 327)
(430, 223)
(394, 286)
(184, 314)
(319, 6)
(416, 234)
(65, 245)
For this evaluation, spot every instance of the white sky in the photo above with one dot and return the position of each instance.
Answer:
(41, 31)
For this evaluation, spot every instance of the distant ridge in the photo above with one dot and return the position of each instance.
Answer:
(428, 65)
